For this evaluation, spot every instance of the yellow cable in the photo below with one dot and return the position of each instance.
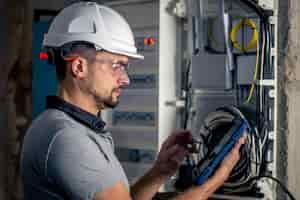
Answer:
(233, 35)
(253, 42)
(255, 73)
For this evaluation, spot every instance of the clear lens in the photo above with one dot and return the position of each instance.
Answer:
(116, 66)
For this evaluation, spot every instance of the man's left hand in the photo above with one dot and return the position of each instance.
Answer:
(172, 153)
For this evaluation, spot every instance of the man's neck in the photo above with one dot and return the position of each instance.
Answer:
(78, 99)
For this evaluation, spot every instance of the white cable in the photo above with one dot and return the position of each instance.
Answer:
(265, 136)
(228, 44)
(262, 72)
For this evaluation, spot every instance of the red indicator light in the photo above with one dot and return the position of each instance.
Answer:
(151, 41)
(43, 56)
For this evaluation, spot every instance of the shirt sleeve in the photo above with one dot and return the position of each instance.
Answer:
(77, 166)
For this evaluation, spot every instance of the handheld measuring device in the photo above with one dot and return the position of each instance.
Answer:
(207, 167)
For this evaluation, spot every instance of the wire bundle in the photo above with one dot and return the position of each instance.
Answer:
(212, 130)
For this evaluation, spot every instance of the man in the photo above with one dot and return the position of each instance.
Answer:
(67, 154)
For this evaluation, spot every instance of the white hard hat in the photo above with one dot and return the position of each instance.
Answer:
(95, 24)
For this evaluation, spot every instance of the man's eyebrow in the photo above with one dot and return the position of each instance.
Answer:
(121, 62)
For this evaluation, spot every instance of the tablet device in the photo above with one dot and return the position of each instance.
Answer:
(207, 167)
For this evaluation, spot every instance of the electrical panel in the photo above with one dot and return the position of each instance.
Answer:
(245, 70)
(204, 64)
(206, 101)
(231, 51)
(146, 81)
(133, 118)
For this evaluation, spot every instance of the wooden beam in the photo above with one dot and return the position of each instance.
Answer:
(15, 40)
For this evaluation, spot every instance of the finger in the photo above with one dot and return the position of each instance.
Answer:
(178, 137)
(234, 154)
(231, 159)
(178, 157)
(244, 137)
(170, 140)
(240, 142)
(167, 153)
(237, 146)
(180, 154)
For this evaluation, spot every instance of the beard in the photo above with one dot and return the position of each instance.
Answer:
(110, 103)
(106, 102)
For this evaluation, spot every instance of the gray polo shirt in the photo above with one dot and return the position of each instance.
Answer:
(65, 156)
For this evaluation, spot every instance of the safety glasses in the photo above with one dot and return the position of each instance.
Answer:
(116, 66)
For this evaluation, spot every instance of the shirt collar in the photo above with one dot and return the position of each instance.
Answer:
(92, 121)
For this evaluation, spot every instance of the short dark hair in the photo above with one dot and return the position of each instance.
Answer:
(60, 66)
(87, 50)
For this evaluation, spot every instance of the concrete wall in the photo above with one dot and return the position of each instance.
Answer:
(289, 96)
(293, 99)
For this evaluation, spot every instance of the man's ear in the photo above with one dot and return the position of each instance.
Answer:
(79, 68)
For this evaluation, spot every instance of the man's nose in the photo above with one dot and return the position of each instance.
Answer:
(124, 79)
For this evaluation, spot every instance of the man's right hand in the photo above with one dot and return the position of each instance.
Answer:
(204, 191)
(230, 160)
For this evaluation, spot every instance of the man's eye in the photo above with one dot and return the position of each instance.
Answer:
(116, 65)
(120, 66)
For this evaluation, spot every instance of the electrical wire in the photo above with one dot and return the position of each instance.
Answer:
(285, 189)
(268, 65)
(257, 142)
(255, 73)
(234, 31)
(251, 154)
(263, 16)
(262, 69)
(230, 66)
(254, 42)
(262, 100)
(253, 5)
(265, 63)
(187, 87)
